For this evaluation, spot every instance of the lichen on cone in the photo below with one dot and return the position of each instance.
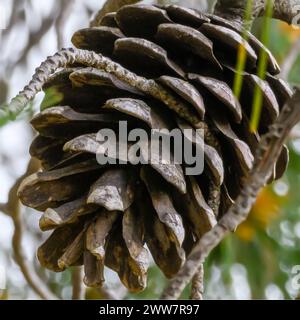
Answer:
(117, 215)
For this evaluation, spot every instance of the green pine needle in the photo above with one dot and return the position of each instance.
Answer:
(262, 68)
(242, 55)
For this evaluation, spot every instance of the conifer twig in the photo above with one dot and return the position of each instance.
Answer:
(267, 154)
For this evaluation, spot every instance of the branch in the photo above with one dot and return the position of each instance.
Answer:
(198, 284)
(110, 6)
(78, 292)
(18, 13)
(59, 16)
(61, 20)
(234, 10)
(71, 56)
(267, 154)
(12, 208)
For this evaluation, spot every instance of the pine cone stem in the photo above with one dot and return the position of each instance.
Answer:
(198, 284)
(70, 56)
(78, 292)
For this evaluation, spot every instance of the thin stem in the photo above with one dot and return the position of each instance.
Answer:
(78, 292)
(198, 284)
(267, 154)
(69, 56)
(13, 209)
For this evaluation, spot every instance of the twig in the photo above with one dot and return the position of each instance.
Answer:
(234, 9)
(267, 154)
(110, 6)
(13, 209)
(89, 58)
(290, 60)
(78, 292)
(198, 284)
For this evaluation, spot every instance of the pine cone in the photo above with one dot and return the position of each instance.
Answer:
(111, 215)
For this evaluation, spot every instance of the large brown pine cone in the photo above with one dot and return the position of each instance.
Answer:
(112, 215)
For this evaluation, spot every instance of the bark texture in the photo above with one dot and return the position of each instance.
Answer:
(285, 10)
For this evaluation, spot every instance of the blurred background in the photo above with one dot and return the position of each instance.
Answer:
(255, 262)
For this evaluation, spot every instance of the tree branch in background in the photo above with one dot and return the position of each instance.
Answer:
(78, 289)
(17, 14)
(13, 209)
(110, 6)
(290, 60)
(234, 10)
(64, 12)
(267, 155)
(58, 15)
(34, 38)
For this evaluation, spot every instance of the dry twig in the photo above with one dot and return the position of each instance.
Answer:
(78, 290)
(234, 9)
(267, 154)
(198, 284)
(71, 56)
